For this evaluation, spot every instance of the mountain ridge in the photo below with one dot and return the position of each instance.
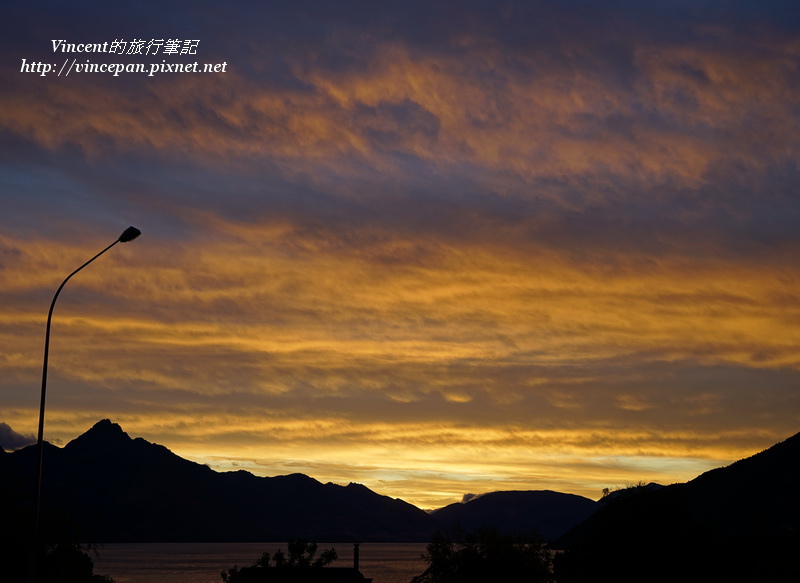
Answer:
(123, 489)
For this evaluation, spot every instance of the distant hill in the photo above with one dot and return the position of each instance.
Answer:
(549, 513)
(737, 523)
(121, 489)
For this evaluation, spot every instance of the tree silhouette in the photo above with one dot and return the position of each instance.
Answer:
(484, 556)
(59, 557)
(68, 563)
(301, 556)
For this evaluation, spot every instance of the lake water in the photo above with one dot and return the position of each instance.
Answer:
(203, 562)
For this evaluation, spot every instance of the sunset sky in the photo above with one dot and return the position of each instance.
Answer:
(432, 247)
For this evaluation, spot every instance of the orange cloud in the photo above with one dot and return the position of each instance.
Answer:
(471, 266)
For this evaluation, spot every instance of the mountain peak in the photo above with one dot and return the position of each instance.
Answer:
(122, 489)
(103, 432)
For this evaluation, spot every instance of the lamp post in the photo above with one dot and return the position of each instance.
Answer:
(128, 234)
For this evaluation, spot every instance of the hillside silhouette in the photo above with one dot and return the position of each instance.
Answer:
(737, 523)
(119, 489)
(551, 514)
(113, 488)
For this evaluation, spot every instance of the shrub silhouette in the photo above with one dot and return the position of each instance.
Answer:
(59, 557)
(68, 563)
(301, 556)
(484, 556)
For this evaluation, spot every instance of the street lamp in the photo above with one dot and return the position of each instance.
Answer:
(128, 234)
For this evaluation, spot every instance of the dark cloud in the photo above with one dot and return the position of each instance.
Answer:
(10, 440)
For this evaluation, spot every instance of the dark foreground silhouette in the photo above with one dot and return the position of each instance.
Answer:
(68, 563)
(485, 556)
(61, 559)
(740, 523)
(300, 566)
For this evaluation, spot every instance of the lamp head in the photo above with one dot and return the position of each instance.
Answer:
(129, 234)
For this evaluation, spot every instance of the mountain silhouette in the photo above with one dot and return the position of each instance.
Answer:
(549, 513)
(736, 523)
(119, 489)
(113, 488)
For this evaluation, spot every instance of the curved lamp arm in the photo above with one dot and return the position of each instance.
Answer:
(128, 234)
